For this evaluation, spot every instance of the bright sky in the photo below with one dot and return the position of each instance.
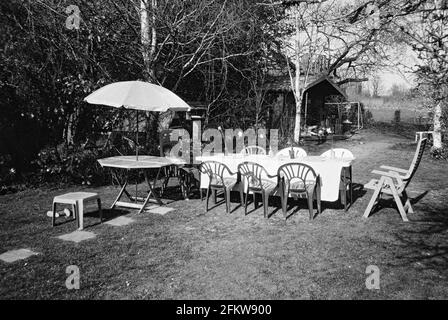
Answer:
(389, 78)
(400, 73)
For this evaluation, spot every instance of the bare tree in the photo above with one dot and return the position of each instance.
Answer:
(424, 29)
(347, 35)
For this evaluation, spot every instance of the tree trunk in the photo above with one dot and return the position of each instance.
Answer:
(297, 84)
(437, 135)
(148, 38)
(149, 46)
(70, 128)
(298, 120)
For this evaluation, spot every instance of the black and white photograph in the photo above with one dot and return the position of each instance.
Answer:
(240, 152)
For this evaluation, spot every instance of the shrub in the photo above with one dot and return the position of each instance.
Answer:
(70, 164)
(439, 153)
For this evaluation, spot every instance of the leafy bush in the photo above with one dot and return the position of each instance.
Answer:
(439, 153)
(70, 164)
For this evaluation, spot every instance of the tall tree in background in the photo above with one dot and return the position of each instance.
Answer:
(424, 28)
(204, 50)
(347, 35)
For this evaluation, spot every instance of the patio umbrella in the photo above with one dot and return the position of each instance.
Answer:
(137, 95)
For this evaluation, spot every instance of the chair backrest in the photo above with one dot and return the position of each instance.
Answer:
(416, 161)
(253, 173)
(298, 152)
(338, 153)
(253, 150)
(300, 172)
(215, 171)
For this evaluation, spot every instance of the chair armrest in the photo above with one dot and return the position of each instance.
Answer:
(394, 169)
(271, 176)
(391, 174)
(230, 172)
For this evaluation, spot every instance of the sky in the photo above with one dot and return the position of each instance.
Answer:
(389, 78)
(400, 73)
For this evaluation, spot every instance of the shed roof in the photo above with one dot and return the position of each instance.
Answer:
(327, 79)
(283, 83)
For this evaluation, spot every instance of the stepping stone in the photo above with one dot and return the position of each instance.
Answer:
(160, 210)
(77, 236)
(15, 255)
(120, 221)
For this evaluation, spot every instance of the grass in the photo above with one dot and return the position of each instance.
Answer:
(190, 254)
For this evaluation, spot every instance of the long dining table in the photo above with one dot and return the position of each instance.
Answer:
(329, 169)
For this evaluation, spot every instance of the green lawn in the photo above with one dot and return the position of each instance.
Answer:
(190, 254)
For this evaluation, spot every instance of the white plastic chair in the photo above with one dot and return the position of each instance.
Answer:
(253, 150)
(298, 152)
(338, 153)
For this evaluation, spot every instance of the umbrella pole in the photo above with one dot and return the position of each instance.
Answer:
(136, 139)
(136, 154)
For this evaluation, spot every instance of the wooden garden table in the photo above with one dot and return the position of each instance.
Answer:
(145, 164)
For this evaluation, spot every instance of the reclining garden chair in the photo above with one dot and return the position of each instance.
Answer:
(394, 183)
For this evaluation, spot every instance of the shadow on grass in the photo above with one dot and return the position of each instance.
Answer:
(389, 202)
(108, 214)
(358, 193)
(423, 243)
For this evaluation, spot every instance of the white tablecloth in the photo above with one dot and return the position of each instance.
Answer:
(328, 169)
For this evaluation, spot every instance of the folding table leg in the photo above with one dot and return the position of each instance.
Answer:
(114, 176)
(374, 197)
(123, 189)
(151, 193)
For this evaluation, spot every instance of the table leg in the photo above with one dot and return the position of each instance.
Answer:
(151, 191)
(123, 189)
(80, 209)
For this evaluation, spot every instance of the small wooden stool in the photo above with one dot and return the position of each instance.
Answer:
(77, 200)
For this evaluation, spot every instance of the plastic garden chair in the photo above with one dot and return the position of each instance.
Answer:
(338, 153)
(286, 152)
(218, 181)
(394, 183)
(253, 150)
(298, 179)
(254, 179)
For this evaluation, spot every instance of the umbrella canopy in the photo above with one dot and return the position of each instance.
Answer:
(137, 95)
